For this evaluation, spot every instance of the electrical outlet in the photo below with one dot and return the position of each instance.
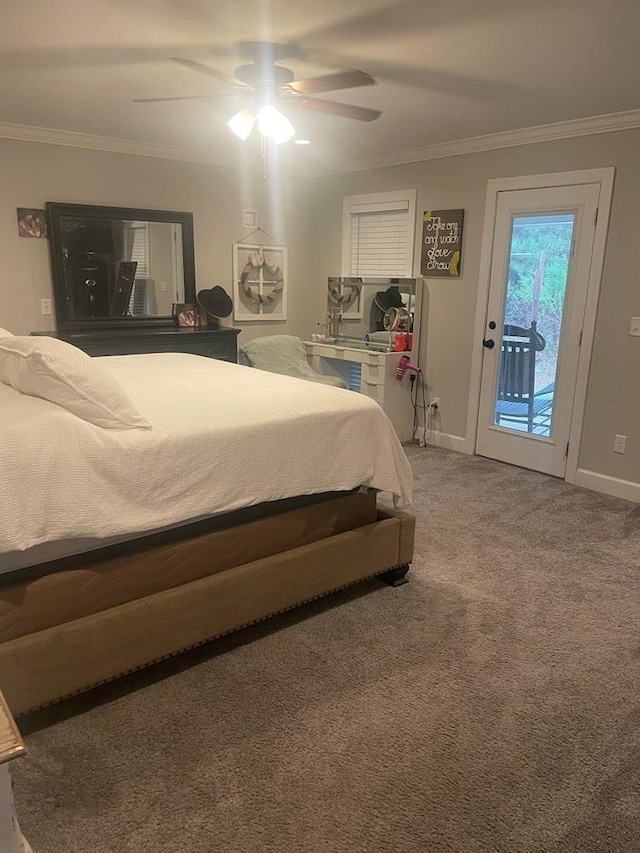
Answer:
(45, 306)
(635, 327)
(620, 444)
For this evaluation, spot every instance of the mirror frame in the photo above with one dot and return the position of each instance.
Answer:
(57, 210)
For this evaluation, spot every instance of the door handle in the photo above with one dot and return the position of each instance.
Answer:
(489, 344)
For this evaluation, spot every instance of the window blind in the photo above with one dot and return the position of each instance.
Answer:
(379, 242)
(137, 236)
(138, 239)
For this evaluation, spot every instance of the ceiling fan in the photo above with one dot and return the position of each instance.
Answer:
(264, 81)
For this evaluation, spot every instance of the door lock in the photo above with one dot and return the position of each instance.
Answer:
(489, 344)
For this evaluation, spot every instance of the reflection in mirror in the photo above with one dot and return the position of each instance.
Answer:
(122, 268)
(116, 266)
(372, 309)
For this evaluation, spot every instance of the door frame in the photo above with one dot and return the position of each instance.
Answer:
(605, 178)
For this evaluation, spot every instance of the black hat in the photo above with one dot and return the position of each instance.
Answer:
(389, 298)
(216, 301)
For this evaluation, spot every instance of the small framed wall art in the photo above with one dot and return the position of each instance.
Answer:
(259, 282)
(32, 222)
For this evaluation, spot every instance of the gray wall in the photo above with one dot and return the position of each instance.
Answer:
(613, 405)
(33, 173)
(306, 216)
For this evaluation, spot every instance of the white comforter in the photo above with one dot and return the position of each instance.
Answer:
(223, 437)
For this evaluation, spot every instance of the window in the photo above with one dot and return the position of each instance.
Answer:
(137, 249)
(378, 234)
(137, 235)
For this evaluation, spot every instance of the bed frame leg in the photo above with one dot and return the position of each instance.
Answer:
(397, 576)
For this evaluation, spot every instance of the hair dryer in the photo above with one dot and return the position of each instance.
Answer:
(403, 365)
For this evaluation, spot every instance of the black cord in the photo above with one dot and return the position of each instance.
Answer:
(414, 395)
(414, 404)
(424, 412)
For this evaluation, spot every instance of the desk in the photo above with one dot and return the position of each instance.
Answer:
(369, 372)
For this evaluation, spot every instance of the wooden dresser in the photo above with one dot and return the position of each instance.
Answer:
(218, 343)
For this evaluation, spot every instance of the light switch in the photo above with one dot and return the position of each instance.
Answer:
(620, 444)
(635, 327)
(45, 306)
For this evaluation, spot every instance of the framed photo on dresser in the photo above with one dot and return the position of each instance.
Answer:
(186, 314)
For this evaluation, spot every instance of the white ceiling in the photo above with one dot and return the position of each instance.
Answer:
(446, 70)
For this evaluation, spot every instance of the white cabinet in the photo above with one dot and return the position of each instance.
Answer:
(371, 373)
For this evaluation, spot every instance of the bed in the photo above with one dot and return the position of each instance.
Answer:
(245, 494)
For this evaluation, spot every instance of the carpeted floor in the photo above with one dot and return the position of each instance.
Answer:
(490, 706)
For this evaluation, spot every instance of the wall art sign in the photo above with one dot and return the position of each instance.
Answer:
(441, 243)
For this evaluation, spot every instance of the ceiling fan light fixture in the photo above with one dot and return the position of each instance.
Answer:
(241, 124)
(274, 125)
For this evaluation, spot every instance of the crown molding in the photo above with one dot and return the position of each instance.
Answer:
(607, 123)
(74, 139)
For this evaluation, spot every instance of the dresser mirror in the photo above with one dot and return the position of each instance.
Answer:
(371, 311)
(119, 267)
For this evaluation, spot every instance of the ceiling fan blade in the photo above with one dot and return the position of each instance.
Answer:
(335, 108)
(331, 82)
(212, 72)
(179, 98)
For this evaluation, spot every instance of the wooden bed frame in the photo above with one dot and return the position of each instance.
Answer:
(213, 580)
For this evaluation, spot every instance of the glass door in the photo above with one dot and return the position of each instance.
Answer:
(542, 249)
(537, 273)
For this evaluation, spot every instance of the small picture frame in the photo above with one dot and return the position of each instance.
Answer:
(186, 315)
(32, 222)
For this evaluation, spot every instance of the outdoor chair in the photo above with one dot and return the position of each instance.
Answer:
(517, 400)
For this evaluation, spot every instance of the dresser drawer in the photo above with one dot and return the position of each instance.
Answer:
(373, 371)
(373, 390)
(212, 343)
(222, 350)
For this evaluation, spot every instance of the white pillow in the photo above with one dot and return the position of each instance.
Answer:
(61, 373)
(4, 333)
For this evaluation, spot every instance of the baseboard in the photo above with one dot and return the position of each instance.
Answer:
(626, 489)
(445, 440)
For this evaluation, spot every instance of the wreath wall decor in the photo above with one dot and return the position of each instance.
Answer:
(259, 282)
(346, 293)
